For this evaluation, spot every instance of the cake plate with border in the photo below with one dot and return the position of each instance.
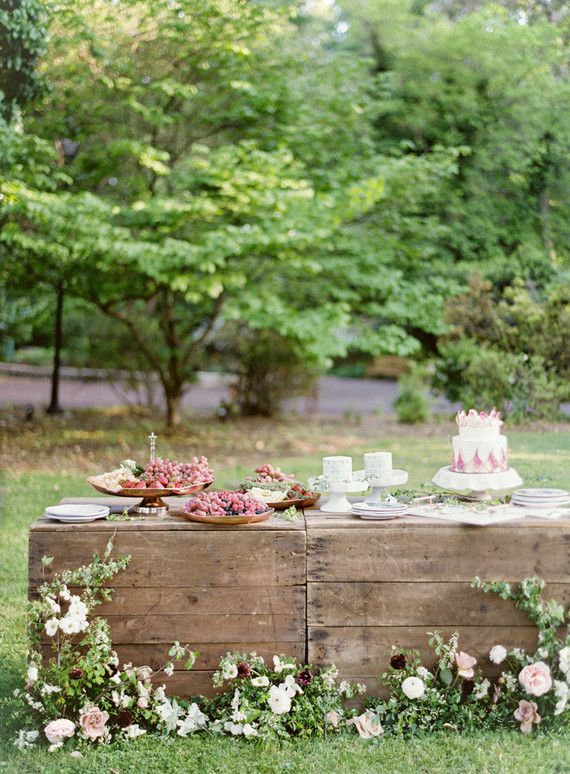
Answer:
(477, 486)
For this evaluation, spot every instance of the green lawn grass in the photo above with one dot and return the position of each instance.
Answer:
(39, 468)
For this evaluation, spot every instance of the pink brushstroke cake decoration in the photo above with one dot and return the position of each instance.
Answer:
(479, 446)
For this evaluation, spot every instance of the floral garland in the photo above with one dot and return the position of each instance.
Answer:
(79, 694)
(532, 690)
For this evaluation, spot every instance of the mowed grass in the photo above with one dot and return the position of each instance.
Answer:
(52, 457)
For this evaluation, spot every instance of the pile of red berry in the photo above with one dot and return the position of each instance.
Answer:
(169, 474)
(224, 504)
(268, 473)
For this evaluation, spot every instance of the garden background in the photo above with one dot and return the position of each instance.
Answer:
(273, 191)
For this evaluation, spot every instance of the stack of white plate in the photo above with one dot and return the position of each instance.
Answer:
(71, 513)
(379, 510)
(541, 498)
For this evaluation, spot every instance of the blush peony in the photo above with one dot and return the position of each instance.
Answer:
(93, 722)
(58, 730)
(536, 678)
(527, 713)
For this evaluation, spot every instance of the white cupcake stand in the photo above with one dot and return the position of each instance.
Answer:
(338, 490)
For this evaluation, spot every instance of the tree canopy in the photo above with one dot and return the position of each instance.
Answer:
(333, 173)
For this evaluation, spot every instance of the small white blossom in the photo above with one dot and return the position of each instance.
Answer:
(564, 660)
(562, 693)
(423, 673)
(279, 665)
(260, 682)
(482, 690)
(133, 731)
(249, 730)
(169, 714)
(51, 627)
(229, 672)
(194, 720)
(169, 670)
(26, 739)
(233, 728)
(290, 686)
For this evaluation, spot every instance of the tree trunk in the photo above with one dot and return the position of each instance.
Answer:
(173, 408)
(54, 407)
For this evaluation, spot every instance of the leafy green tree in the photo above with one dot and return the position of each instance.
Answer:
(23, 31)
(181, 202)
(497, 91)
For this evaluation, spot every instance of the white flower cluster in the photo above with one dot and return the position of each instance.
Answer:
(74, 620)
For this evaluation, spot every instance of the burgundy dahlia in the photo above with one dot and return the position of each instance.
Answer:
(243, 669)
(468, 687)
(304, 678)
(398, 661)
(75, 674)
(124, 718)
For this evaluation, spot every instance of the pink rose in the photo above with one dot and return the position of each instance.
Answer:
(93, 722)
(367, 725)
(465, 664)
(58, 730)
(527, 713)
(536, 678)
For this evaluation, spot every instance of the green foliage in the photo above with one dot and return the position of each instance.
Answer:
(23, 32)
(413, 400)
(507, 351)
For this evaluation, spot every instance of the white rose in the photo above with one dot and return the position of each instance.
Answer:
(498, 654)
(413, 687)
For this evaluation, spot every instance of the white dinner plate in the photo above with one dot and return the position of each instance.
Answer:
(386, 507)
(541, 494)
(541, 503)
(76, 512)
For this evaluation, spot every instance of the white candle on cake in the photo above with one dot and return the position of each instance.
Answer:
(377, 465)
(337, 469)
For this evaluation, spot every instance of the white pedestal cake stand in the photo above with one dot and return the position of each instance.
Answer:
(379, 485)
(477, 486)
(338, 502)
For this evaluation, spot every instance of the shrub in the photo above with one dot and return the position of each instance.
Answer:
(413, 401)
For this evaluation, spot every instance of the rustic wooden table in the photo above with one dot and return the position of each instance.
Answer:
(326, 588)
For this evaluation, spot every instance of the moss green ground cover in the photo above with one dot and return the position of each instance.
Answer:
(42, 463)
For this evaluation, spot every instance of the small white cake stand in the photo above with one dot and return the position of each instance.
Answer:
(477, 486)
(379, 485)
(338, 502)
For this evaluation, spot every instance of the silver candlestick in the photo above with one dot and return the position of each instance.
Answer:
(152, 437)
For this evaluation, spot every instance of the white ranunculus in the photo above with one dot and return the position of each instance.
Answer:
(260, 682)
(498, 654)
(33, 674)
(413, 687)
(279, 701)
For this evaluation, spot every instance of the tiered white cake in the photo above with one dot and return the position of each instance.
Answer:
(479, 447)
